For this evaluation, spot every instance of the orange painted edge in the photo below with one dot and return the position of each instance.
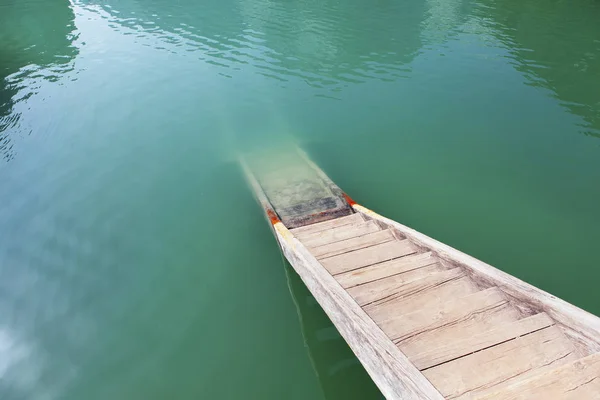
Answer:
(272, 216)
(348, 199)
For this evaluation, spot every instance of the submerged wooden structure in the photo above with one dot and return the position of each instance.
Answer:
(426, 320)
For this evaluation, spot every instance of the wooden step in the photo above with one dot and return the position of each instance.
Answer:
(375, 298)
(385, 269)
(480, 305)
(473, 325)
(464, 377)
(439, 348)
(577, 380)
(392, 285)
(433, 291)
(369, 256)
(338, 234)
(352, 244)
(303, 231)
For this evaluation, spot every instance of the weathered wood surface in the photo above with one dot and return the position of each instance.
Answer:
(580, 325)
(439, 349)
(430, 322)
(392, 372)
(369, 256)
(352, 244)
(432, 291)
(465, 334)
(487, 305)
(512, 360)
(313, 230)
(577, 380)
(383, 270)
(374, 298)
(338, 234)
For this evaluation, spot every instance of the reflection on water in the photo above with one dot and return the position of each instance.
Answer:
(43, 50)
(325, 44)
(135, 263)
(557, 46)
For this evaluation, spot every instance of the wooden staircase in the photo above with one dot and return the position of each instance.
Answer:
(469, 338)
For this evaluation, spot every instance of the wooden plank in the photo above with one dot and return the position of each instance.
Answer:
(479, 321)
(461, 328)
(369, 256)
(329, 224)
(580, 325)
(466, 328)
(476, 305)
(340, 233)
(385, 269)
(391, 371)
(547, 348)
(439, 348)
(353, 244)
(430, 296)
(370, 300)
(577, 380)
(392, 285)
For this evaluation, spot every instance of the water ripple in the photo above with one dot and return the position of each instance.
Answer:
(260, 37)
(119, 117)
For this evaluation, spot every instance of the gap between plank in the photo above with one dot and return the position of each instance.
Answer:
(389, 276)
(488, 347)
(370, 265)
(356, 249)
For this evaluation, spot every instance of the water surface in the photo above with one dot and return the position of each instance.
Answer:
(135, 263)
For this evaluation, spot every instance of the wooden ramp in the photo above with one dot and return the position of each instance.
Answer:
(429, 322)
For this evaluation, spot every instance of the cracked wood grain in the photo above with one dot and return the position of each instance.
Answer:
(369, 256)
(440, 348)
(385, 269)
(479, 305)
(352, 244)
(576, 380)
(413, 288)
(514, 359)
(338, 234)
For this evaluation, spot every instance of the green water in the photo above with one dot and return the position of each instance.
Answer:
(134, 261)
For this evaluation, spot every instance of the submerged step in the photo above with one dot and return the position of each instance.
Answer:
(298, 193)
